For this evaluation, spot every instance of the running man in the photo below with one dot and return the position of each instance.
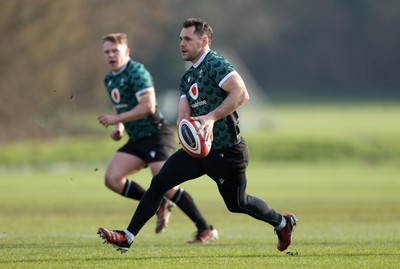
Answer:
(151, 140)
(220, 92)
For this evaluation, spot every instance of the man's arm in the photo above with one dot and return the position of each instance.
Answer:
(184, 110)
(146, 107)
(237, 96)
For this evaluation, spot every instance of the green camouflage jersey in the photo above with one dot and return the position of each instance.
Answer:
(200, 85)
(124, 88)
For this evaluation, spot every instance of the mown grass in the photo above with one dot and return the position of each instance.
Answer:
(348, 218)
(52, 199)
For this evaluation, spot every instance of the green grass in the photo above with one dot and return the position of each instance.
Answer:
(368, 132)
(348, 218)
(336, 167)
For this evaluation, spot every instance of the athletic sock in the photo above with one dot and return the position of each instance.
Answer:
(133, 190)
(282, 224)
(185, 202)
(129, 236)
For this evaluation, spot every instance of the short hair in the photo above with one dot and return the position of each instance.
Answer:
(201, 28)
(120, 38)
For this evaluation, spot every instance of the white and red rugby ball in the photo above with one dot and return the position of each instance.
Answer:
(191, 142)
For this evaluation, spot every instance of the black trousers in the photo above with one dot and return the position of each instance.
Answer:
(227, 167)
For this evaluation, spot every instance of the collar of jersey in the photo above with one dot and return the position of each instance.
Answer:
(196, 64)
(121, 70)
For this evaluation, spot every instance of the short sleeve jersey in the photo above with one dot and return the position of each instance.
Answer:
(124, 89)
(200, 85)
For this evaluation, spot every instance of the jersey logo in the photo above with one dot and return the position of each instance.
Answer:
(115, 96)
(200, 73)
(194, 92)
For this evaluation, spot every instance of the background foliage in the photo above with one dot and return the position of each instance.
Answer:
(52, 66)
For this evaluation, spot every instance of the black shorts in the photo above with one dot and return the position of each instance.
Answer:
(227, 167)
(229, 164)
(153, 148)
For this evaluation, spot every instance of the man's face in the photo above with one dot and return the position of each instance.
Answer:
(116, 55)
(191, 45)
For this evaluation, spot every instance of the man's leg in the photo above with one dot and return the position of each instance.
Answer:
(121, 165)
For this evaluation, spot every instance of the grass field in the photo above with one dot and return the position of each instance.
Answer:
(348, 205)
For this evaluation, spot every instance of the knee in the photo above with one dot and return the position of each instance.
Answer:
(108, 183)
(237, 205)
(233, 207)
(112, 182)
(171, 192)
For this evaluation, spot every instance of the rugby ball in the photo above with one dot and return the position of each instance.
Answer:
(191, 142)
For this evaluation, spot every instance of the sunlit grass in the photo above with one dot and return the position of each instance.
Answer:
(336, 167)
(348, 218)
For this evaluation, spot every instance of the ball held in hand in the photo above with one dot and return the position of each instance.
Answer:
(193, 143)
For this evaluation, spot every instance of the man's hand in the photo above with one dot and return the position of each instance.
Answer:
(116, 135)
(207, 124)
(107, 120)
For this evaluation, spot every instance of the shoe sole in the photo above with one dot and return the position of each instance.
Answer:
(104, 237)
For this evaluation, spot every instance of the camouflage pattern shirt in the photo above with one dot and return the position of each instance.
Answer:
(124, 88)
(200, 85)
